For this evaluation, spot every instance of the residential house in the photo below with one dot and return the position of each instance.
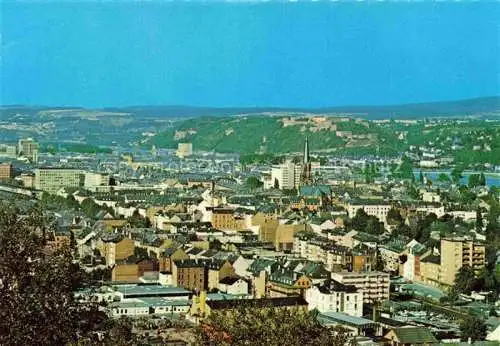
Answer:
(115, 247)
(233, 285)
(169, 255)
(218, 270)
(191, 274)
(334, 296)
(286, 282)
(409, 336)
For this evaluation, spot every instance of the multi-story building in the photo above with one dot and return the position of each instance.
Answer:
(6, 171)
(334, 257)
(28, 148)
(441, 270)
(337, 297)
(184, 150)
(58, 239)
(286, 282)
(414, 251)
(169, 255)
(227, 219)
(116, 248)
(218, 270)
(191, 274)
(286, 176)
(375, 208)
(374, 285)
(267, 224)
(132, 270)
(53, 179)
(9, 151)
(28, 180)
(96, 182)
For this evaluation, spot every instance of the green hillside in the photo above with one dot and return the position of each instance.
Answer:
(262, 134)
(478, 140)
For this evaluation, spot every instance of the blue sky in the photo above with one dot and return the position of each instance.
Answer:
(248, 54)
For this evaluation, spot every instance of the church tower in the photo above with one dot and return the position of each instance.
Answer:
(306, 176)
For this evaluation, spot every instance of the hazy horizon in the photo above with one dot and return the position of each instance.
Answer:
(237, 106)
(277, 54)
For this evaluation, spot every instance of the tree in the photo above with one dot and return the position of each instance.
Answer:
(493, 312)
(38, 304)
(276, 183)
(421, 177)
(90, 208)
(121, 332)
(406, 169)
(253, 183)
(464, 280)
(394, 217)
(360, 220)
(479, 220)
(379, 261)
(456, 175)
(474, 328)
(474, 180)
(138, 221)
(267, 326)
(482, 179)
(443, 178)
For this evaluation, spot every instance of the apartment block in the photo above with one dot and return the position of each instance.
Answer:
(9, 151)
(336, 297)
(226, 218)
(28, 148)
(96, 182)
(6, 171)
(441, 270)
(192, 274)
(373, 285)
(286, 176)
(459, 252)
(184, 150)
(373, 208)
(116, 248)
(333, 256)
(53, 179)
(267, 224)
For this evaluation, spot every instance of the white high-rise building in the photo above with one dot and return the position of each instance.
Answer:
(184, 149)
(286, 176)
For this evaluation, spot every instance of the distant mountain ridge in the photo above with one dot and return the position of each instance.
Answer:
(482, 106)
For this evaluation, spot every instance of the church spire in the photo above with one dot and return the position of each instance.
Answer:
(306, 176)
(306, 151)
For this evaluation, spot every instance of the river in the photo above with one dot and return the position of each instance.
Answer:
(492, 179)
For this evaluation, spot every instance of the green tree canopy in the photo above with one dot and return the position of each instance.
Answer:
(268, 326)
(443, 178)
(394, 217)
(138, 221)
(253, 183)
(456, 175)
(474, 328)
(37, 305)
(464, 280)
